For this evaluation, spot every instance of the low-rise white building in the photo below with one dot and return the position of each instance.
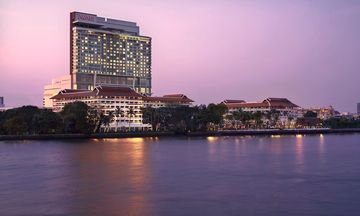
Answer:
(322, 112)
(279, 104)
(286, 112)
(123, 102)
(171, 100)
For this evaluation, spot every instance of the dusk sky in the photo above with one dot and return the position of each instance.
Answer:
(306, 51)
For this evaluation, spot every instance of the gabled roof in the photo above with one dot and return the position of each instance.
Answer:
(229, 101)
(116, 91)
(72, 93)
(172, 98)
(174, 95)
(98, 91)
(73, 90)
(248, 105)
(272, 103)
(280, 102)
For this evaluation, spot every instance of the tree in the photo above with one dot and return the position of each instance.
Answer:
(108, 119)
(118, 114)
(77, 119)
(46, 122)
(29, 120)
(149, 115)
(308, 122)
(310, 114)
(98, 118)
(182, 119)
(244, 117)
(15, 125)
(257, 116)
(130, 114)
(342, 122)
(216, 112)
(273, 117)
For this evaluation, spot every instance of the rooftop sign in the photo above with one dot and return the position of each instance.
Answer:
(85, 17)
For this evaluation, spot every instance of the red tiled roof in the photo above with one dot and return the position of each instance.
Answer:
(280, 102)
(174, 95)
(98, 91)
(247, 105)
(179, 98)
(74, 90)
(273, 103)
(65, 95)
(116, 91)
(227, 101)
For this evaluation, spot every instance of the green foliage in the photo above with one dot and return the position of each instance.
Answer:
(248, 118)
(308, 122)
(75, 118)
(29, 120)
(47, 122)
(342, 122)
(182, 118)
(310, 114)
(216, 112)
(97, 118)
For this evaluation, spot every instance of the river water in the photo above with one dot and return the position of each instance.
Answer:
(269, 175)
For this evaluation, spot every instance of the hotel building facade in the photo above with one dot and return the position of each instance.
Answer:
(288, 112)
(171, 100)
(280, 104)
(124, 102)
(106, 51)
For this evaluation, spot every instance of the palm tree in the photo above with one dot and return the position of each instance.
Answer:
(97, 117)
(118, 113)
(257, 116)
(107, 119)
(130, 113)
(273, 117)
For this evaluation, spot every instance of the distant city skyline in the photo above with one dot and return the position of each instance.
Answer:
(209, 50)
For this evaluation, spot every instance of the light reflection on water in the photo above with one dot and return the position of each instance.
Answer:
(299, 149)
(274, 175)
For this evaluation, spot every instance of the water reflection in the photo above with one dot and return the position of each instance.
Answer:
(212, 147)
(321, 144)
(138, 176)
(212, 139)
(177, 176)
(299, 153)
(322, 148)
(276, 144)
(104, 169)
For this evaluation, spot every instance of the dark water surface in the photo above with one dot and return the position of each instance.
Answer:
(287, 175)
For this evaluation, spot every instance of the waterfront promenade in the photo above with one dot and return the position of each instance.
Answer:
(258, 132)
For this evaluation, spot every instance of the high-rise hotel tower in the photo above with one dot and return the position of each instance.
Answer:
(106, 51)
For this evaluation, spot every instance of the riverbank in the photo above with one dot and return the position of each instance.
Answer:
(266, 132)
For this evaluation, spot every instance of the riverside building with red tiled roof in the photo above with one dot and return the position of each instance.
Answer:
(171, 100)
(124, 102)
(281, 104)
(121, 101)
(286, 111)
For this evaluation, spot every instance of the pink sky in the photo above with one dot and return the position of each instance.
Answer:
(307, 51)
